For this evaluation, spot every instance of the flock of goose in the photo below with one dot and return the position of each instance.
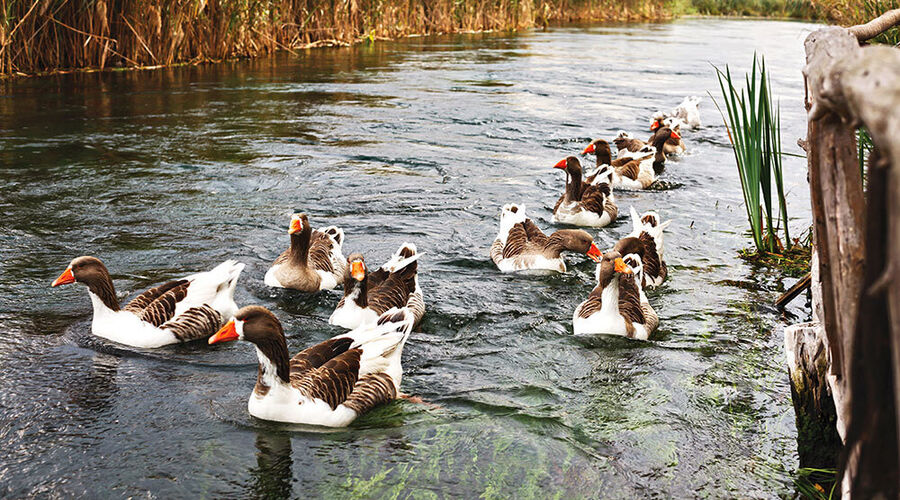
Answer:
(333, 382)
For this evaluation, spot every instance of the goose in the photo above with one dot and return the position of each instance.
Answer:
(600, 149)
(672, 146)
(369, 295)
(585, 204)
(625, 142)
(314, 260)
(181, 310)
(658, 141)
(688, 112)
(638, 173)
(646, 241)
(520, 245)
(329, 384)
(617, 305)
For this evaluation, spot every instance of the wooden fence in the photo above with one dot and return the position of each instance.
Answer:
(850, 352)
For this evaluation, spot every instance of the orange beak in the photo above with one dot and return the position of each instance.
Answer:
(226, 333)
(65, 278)
(589, 149)
(676, 136)
(594, 253)
(357, 270)
(621, 267)
(561, 164)
(654, 125)
(296, 226)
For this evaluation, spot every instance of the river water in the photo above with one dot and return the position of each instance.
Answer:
(167, 172)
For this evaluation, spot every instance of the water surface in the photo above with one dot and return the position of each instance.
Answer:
(163, 173)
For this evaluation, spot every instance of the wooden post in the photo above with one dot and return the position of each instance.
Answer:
(858, 244)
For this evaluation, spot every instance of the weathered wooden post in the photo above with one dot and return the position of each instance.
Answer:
(856, 291)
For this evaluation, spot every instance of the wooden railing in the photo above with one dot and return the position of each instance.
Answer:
(851, 351)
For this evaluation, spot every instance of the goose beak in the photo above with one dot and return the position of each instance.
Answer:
(676, 136)
(226, 333)
(654, 125)
(594, 253)
(357, 270)
(296, 226)
(561, 164)
(65, 278)
(589, 149)
(621, 267)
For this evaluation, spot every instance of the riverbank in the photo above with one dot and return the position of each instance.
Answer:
(43, 36)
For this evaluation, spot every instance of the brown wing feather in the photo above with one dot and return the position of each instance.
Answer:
(316, 356)
(653, 266)
(371, 391)
(332, 382)
(516, 241)
(162, 309)
(651, 320)
(630, 301)
(594, 198)
(593, 304)
(393, 292)
(140, 302)
(320, 252)
(195, 323)
(630, 169)
(535, 235)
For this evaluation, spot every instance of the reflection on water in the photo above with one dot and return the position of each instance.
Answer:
(164, 173)
(272, 476)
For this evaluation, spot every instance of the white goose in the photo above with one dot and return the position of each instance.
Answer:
(182, 310)
(617, 305)
(329, 384)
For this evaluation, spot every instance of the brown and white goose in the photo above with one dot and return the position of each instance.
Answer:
(521, 245)
(617, 305)
(329, 384)
(625, 142)
(658, 140)
(646, 241)
(585, 204)
(182, 310)
(600, 149)
(314, 260)
(631, 170)
(675, 144)
(368, 295)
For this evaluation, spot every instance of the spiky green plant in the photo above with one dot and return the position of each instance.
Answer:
(754, 129)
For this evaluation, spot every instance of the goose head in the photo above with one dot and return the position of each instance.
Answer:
(611, 266)
(579, 240)
(257, 325)
(356, 265)
(570, 164)
(84, 269)
(299, 222)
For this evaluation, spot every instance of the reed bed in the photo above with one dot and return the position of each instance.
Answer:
(52, 35)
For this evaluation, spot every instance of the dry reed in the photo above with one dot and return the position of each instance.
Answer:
(53, 35)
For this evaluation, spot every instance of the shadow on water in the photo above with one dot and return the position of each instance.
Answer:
(169, 172)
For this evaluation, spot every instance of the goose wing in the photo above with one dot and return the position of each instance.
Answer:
(320, 249)
(139, 303)
(316, 356)
(595, 196)
(592, 304)
(332, 382)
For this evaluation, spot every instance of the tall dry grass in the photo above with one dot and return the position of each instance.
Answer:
(48, 35)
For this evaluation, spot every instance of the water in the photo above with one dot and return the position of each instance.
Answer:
(162, 173)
